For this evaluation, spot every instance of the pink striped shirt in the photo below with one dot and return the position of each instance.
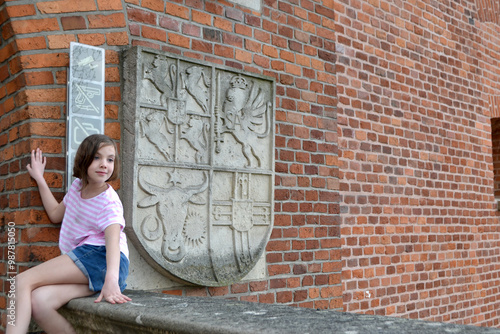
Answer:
(85, 220)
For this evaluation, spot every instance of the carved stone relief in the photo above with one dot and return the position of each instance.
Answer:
(198, 157)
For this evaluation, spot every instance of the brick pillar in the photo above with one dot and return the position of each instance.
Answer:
(33, 66)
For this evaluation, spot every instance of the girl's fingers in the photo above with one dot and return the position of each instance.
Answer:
(120, 299)
(98, 298)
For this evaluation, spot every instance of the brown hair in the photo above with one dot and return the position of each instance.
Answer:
(86, 153)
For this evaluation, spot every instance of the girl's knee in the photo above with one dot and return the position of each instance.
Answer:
(40, 304)
(26, 281)
(22, 281)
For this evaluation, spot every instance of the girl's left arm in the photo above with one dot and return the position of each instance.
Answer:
(111, 290)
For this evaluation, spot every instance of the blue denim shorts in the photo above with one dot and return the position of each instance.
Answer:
(92, 262)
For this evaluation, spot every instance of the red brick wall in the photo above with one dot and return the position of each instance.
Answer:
(291, 42)
(415, 83)
(495, 140)
(420, 232)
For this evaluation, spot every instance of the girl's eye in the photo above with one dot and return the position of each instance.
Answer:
(111, 160)
(96, 157)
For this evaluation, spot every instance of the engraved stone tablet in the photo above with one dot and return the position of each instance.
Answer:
(198, 157)
(85, 98)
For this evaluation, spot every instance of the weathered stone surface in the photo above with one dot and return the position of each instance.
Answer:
(198, 166)
(158, 313)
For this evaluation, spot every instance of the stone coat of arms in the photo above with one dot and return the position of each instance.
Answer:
(198, 157)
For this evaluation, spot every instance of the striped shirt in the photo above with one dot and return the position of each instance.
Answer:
(85, 220)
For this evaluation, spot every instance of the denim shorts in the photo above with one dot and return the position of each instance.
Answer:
(92, 262)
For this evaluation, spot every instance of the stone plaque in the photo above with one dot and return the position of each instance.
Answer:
(198, 158)
(85, 99)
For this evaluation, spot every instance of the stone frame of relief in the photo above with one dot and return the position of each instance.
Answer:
(198, 166)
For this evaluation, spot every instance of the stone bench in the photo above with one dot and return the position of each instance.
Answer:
(159, 313)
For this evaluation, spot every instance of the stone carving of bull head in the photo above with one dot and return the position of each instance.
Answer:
(171, 207)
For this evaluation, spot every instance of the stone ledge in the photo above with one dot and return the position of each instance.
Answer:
(159, 313)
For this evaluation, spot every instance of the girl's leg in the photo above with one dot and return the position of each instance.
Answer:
(47, 299)
(59, 270)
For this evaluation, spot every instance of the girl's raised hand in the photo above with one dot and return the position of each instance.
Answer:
(37, 166)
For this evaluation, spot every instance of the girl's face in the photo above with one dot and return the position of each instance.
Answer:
(101, 168)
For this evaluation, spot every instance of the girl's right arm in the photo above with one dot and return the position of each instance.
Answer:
(54, 209)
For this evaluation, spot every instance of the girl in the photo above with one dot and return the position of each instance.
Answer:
(92, 242)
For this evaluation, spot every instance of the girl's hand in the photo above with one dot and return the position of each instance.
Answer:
(37, 166)
(111, 293)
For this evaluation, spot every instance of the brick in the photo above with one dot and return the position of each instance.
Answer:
(257, 286)
(222, 24)
(45, 95)
(44, 60)
(73, 22)
(243, 30)
(214, 8)
(239, 288)
(251, 299)
(191, 29)
(176, 10)
(278, 269)
(143, 16)
(170, 24)
(29, 26)
(113, 130)
(112, 74)
(156, 5)
(7, 51)
(109, 5)
(92, 39)
(201, 46)
(153, 33)
(106, 21)
(173, 292)
(266, 298)
(197, 292)
(48, 129)
(3, 16)
(60, 41)
(20, 10)
(284, 297)
(66, 6)
(233, 40)
(117, 38)
(218, 291)
(201, 18)
(178, 40)
(16, 84)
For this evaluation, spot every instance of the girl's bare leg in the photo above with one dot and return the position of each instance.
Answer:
(47, 299)
(59, 270)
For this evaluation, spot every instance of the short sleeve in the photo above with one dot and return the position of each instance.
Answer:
(111, 214)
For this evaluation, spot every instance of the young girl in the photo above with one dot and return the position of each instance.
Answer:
(92, 242)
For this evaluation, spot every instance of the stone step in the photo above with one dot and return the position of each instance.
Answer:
(150, 312)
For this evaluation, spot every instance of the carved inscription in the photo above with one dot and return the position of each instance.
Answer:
(198, 176)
